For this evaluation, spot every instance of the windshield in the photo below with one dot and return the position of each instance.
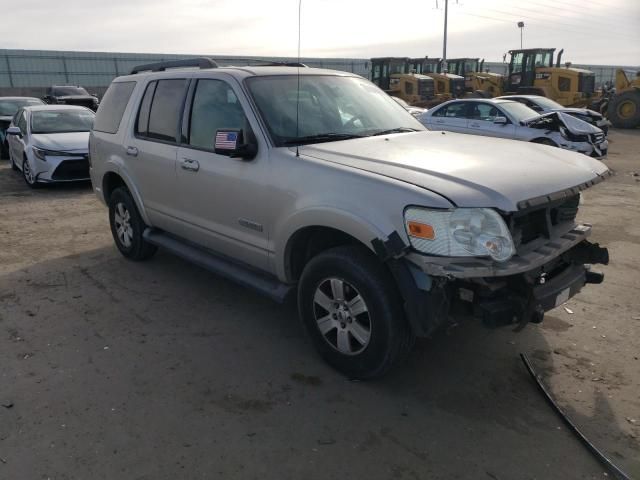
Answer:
(546, 103)
(64, 91)
(8, 108)
(61, 121)
(518, 111)
(329, 106)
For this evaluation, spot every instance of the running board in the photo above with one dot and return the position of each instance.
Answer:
(241, 274)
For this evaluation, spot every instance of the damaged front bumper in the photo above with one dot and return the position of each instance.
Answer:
(517, 291)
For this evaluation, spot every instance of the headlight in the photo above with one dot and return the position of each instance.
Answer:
(41, 153)
(462, 232)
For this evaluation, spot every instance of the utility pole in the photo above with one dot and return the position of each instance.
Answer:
(521, 26)
(444, 43)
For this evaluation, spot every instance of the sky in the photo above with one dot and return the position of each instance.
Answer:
(603, 32)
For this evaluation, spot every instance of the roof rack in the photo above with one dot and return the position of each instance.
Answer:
(280, 64)
(202, 63)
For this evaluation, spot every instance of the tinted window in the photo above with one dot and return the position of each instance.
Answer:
(455, 110)
(142, 122)
(113, 105)
(166, 109)
(214, 107)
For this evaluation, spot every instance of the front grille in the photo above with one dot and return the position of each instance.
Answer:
(586, 83)
(72, 170)
(597, 138)
(542, 222)
(425, 89)
(81, 103)
(457, 86)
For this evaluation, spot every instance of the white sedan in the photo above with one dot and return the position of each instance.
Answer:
(50, 143)
(509, 119)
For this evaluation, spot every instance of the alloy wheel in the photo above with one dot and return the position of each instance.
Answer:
(122, 220)
(342, 316)
(28, 173)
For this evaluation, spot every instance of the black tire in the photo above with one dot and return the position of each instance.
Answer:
(544, 141)
(138, 249)
(31, 181)
(624, 109)
(390, 338)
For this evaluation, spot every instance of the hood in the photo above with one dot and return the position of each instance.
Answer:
(579, 111)
(76, 97)
(468, 170)
(64, 142)
(573, 124)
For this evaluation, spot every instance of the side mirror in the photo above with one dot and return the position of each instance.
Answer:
(14, 131)
(500, 120)
(231, 142)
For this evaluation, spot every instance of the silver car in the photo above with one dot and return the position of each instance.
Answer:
(545, 105)
(50, 143)
(509, 119)
(8, 108)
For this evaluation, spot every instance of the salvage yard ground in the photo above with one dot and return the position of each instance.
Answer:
(111, 369)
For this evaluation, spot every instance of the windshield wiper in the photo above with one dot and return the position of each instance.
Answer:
(321, 137)
(395, 130)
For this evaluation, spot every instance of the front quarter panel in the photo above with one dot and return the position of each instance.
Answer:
(310, 192)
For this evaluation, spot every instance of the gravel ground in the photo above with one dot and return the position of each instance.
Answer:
(160, 370)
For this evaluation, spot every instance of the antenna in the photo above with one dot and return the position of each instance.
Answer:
(298, 89)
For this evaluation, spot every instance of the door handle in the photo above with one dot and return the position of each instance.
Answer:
(474, 124)
(132, 151)
(188, 164)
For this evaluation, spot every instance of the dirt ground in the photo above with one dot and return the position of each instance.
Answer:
(111, 369)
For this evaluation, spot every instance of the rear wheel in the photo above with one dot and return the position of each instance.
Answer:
(353, 312)
(624, 109)
(127, 226)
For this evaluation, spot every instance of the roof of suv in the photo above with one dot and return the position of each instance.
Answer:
(38, 108)
(242, 72)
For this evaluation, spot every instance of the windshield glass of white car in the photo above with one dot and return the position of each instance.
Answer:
(518, 111)
(327, 108)
(61, 121)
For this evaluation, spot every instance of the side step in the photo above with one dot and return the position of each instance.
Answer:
(241, 274)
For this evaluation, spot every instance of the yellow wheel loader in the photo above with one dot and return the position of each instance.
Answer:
(477, 82)
(447, 85)
(531, 72)
(393, 75)
(624, 106)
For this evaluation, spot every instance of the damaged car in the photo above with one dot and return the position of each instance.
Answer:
(545, 105)
(316, 185)
(71, 95)
(514, 120)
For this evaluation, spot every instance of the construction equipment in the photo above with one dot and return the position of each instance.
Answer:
(477, 82)
(624, 106)
(531, 72)
(447, 85)
(394, 76)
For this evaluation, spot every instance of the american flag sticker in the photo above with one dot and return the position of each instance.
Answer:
(226, 140)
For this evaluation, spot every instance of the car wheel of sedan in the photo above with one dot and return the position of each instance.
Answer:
(353, 312)
(28, 175)
(127, 226)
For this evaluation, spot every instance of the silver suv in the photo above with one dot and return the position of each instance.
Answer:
(296, 179)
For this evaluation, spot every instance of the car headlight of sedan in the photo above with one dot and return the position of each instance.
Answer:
(41, 153)
(462, 232)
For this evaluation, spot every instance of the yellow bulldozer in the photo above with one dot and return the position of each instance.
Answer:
(532, 72)
(623, 109)
(477, 82)
(394, 76)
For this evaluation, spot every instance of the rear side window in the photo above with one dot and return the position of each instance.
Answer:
(455, 110)
(161, 110)
(112, 108)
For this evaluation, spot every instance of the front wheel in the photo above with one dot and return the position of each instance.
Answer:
(127, 226)
(28, 175)
(351, 308)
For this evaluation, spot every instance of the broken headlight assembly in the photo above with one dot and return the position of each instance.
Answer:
(461, 232)
(566, 134)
